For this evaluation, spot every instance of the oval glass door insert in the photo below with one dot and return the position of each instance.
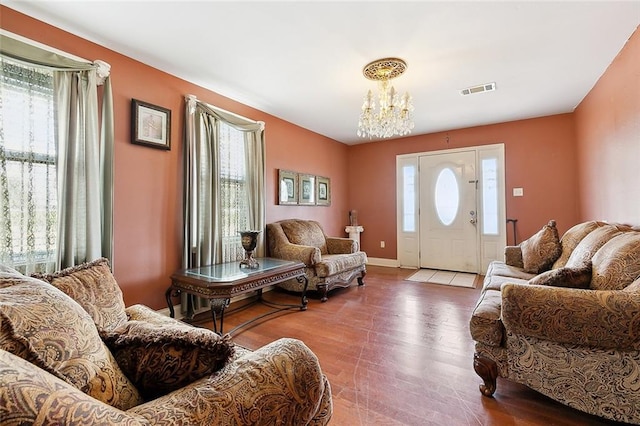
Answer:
(447, 196)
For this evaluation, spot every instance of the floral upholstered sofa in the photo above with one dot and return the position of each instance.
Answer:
(562, 316)
(329, 261)
(71, 354)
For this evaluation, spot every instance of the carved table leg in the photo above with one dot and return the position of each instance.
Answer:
(171, 292)
(303, 301)
(487, 369)
(217, 311)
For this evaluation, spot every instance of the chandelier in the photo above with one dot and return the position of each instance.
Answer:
(394, 116)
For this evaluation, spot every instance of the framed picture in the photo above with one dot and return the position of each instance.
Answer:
(307, 193)
(287, 187)
(150, 125)
(323, 191)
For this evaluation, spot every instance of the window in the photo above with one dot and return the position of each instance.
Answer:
(28, 197)
(447, 196)
(409, 199)
(490, 211)
(233, 182)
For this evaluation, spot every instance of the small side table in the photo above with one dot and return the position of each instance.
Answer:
(354, 233)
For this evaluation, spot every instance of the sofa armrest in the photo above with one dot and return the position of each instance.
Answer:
(280, 383)
(597, 318)
(29, 395)
(337, 245)
(281, 248)
(513, 256)
(306, 254)
(144, 313)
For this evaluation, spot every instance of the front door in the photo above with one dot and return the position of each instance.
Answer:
(448, 211)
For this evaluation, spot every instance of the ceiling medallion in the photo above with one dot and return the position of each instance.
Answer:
(394, 116)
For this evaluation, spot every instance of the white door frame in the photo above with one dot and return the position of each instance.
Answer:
(491, 243)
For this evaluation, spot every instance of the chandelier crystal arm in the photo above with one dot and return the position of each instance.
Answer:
(394, 116)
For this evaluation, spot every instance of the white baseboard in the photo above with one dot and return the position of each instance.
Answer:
(377, 261)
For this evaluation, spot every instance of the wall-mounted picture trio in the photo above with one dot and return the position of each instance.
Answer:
(303, 189)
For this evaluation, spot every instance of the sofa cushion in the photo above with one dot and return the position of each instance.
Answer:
(160, 358)
(498, 268)
(305, 232)
(590, 244)
(541, 250)
(617, 264)
(495, 282)
(93, 286)
(486, 324)
(332, 264)
(578, 277)
(46, 327)
(571, 239)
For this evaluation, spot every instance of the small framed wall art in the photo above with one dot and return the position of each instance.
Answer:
(150, 125)
(288, 187)
(323, 191)
(307, 194)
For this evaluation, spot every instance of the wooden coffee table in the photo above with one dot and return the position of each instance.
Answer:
(219, 283)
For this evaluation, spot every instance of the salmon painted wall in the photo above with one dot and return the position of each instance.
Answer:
(608, 137)
(539, 155)
(148, 182)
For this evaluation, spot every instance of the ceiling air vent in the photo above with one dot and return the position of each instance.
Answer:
(487, 87)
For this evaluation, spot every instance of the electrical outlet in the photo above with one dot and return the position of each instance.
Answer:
(381, 244)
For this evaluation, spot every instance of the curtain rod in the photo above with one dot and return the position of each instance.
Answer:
(43, 46)
(224, 111)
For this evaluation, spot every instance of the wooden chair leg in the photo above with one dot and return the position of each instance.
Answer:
(324, 290)
(487, 369)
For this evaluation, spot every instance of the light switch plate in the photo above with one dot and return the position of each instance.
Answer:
(518, 192)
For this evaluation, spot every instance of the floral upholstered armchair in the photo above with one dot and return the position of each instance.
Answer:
(330, 261)
(72, 354)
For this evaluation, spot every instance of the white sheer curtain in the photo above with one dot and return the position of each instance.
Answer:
(84, 152)
(224, 186)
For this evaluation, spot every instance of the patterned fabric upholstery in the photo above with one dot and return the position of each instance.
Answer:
(565, 277)
(579, 346)
(160, 358)
(329, 261)
(49, 329)
(571, 239)
(305, 232)
(541, 250)
(617, 263)
(590, 244)
(29, 396)
(93, 286)
(257, 388)
(55, 370)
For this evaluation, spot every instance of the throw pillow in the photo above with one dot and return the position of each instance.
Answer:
(590, 244)
(571, 239)
(160, 358)
(541, 250)
(565, 277)
(617, 263)
(44, 326)
(93, 286)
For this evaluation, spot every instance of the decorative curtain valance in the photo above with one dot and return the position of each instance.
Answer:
(85, 144)
(213, 206)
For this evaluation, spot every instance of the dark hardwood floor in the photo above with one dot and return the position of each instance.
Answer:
(399, 353)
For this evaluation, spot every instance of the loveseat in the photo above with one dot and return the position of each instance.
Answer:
(562, 316)
(72, 354)
(330, 262)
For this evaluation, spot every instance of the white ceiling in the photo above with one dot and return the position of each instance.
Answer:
(302, 61)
